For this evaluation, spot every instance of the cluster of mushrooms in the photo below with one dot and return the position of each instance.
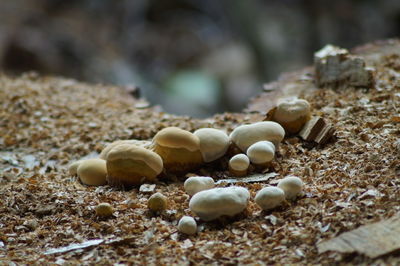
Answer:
(177, 151)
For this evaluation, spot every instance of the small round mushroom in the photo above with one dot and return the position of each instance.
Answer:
(157, 202)
(178, 148)
(291, 185)
(196, 184)
(216, 202)
(213, 143)
(187, 225)
(239, 164)
(104, 210)
(269, 198)
(130, 165)
(261, 153)
(140, 143)
(245, 135)
(73, 167)
(92, 172)
(292, 114)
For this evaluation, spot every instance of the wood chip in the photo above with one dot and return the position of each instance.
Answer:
(372, 240)
(317, 130)
(147, 188)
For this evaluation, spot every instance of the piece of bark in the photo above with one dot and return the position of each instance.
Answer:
(336, 67)
(325, 135)
(372, 240)
(317, 130)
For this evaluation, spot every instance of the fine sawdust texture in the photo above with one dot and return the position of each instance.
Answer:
(46, 123)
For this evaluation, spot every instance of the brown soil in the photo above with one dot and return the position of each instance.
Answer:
(47, 122)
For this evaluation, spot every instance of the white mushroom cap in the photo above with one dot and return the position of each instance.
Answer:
(291, 185)
(213, 203)
(187, 225)
(269, 197)
(246, 135)
(213, 143)
(93, 172)
(196, 184)
(239, 162)
(261, 152)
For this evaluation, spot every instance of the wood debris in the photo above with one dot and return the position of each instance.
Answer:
(372, 240)
(248, 179)
(71, 247)
(317, 130)
(349, 184)
(336, 67)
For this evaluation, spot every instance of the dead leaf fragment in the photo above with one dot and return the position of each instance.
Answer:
(372, 240)
(248, 179)
(86, 244)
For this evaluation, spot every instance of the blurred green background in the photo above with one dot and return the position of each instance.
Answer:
(191, 57)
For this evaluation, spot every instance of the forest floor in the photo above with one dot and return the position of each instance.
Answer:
(48, 122)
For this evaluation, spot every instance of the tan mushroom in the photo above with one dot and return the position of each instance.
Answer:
(140, 143)
(292, 114)
(157, 202)
(178, 148)
(104, 210)
(92, 172)
(73, 167)
(130, 165)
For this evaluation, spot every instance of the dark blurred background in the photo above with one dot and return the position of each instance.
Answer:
(191, 57)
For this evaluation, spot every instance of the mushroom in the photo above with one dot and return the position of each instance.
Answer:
(130, 165)
(196, 184)
(178, 148)
(157, 202)
(216, 202)
(140, 143)
(245, 135)
(92, 172)
(292, 114)
(187, 225)
(104, 210)
(261, 153)
(239, 164)
(291, 185)
(269, 198)
(73, 167)
(213, 143)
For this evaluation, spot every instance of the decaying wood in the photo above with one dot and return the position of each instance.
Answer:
(46, 123)
(372, 240)
(335, 67)
(317, 130)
